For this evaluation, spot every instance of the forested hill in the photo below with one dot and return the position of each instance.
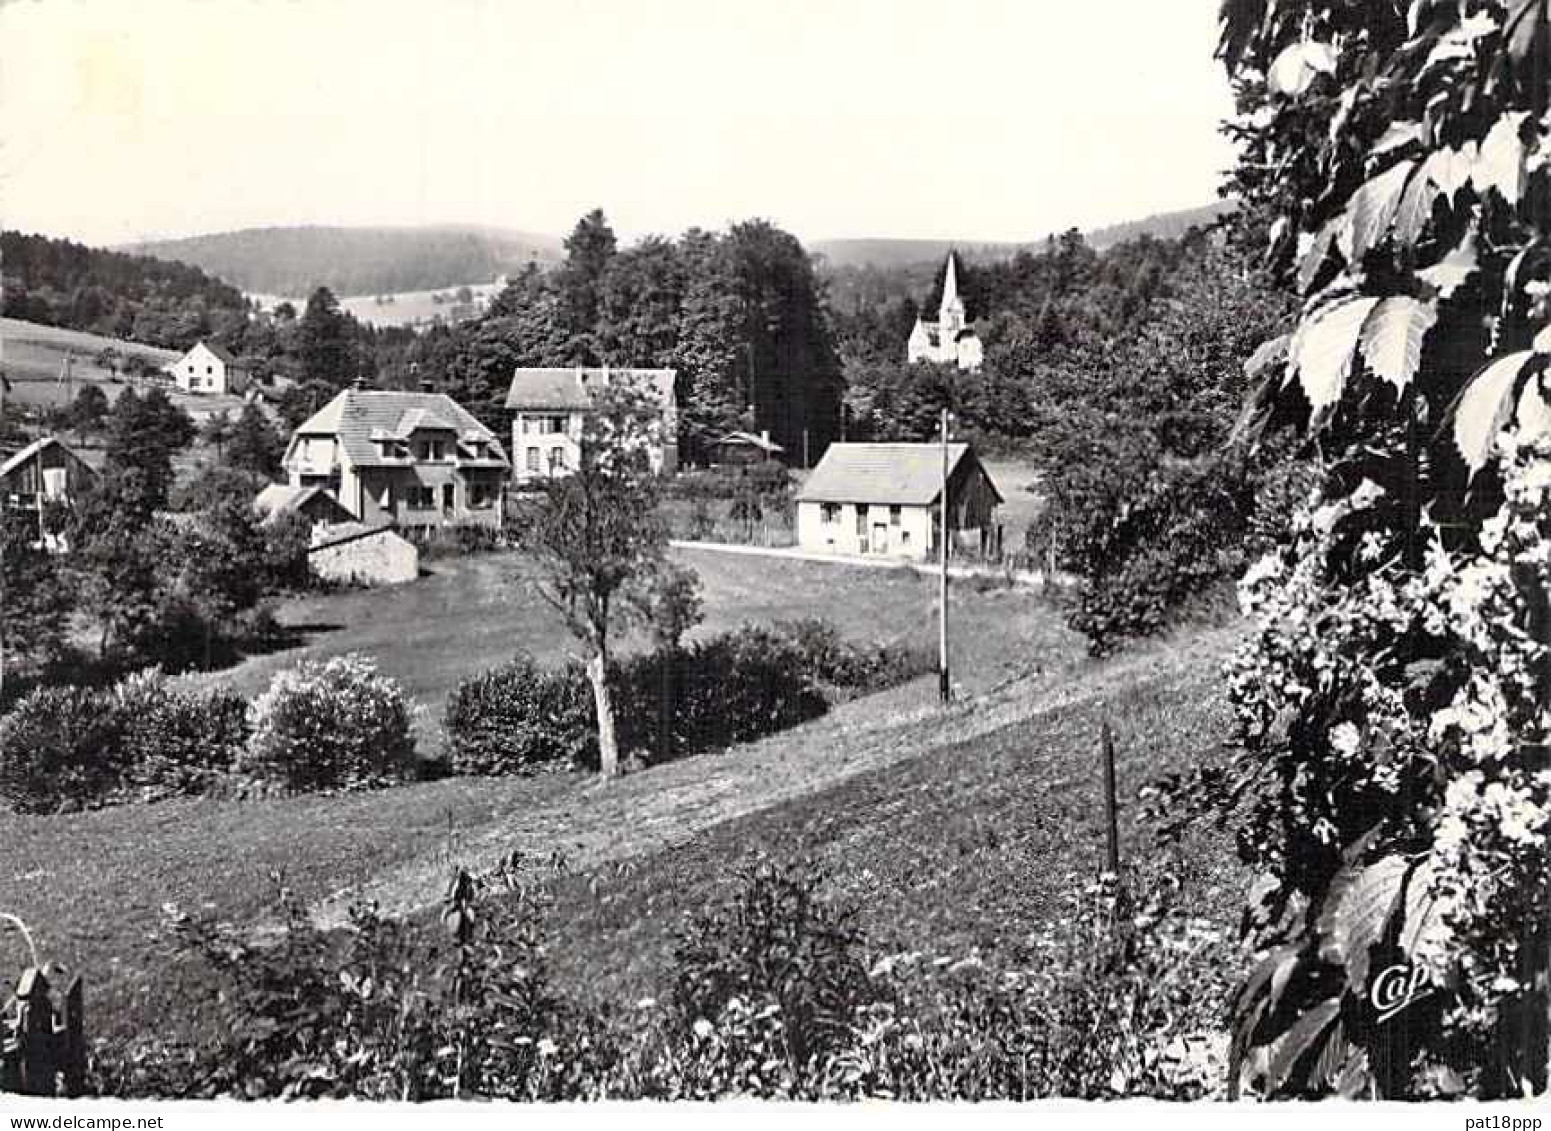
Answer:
(358, 261)
(136, 297)
(890, 253)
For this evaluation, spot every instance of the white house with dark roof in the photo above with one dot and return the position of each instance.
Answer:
(413, 460)
(550, 405)
(208, 368)
(882, 500)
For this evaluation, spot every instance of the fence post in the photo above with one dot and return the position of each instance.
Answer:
(35, 1032)
(1111, 823)
(73, 1037)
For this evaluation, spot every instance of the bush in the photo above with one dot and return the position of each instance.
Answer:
(333, 724)
(142, 740)
(57, 748)
(518, 718)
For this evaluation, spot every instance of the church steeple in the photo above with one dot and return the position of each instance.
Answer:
(950, 316)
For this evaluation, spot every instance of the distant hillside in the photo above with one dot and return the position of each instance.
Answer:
(136, 297)
(887, 253)
(358, 261)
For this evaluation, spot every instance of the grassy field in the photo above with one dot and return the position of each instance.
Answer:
(476, 612)
(954, 830)
(32, 357)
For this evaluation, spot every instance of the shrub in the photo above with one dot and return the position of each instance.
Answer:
(173, 742)
(57, 747)
(518, 718)
(141, 740)
(840, 664)
(334, 724)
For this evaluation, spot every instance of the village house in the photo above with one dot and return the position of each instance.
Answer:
(208, 368)
(741, 449)
(314, 503)
(550, 406)
(411, 460)
(882, 500)
(43, 472)
(949, 340)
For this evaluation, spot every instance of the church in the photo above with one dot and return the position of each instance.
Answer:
(950, 339)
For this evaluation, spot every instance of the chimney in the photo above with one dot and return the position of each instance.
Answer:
(358, 384)
(764, 436)
(425, 386)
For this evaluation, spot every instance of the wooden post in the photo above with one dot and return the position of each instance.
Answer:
(1111, 822)
(73, 1035)
(944, 685)
(35, 1033)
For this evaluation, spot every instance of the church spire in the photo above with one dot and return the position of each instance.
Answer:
(950, 315)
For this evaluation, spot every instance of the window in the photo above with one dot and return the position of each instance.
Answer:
(479, 496)
(552, 425)
(556, 459)
(904, 537)
(435, 450)
(533, 459)
(422, 498)
(829, 513)
(209, 369)
(861, 522)
(449, 496)
(894, 515)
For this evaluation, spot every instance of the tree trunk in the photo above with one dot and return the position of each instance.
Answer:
(608, 744)
(665, 706)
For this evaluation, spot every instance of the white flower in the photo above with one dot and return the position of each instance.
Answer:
(1346, 739)
(703, 1028)
(547, 1047)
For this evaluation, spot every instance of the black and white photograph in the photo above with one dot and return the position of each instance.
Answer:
(859, 554)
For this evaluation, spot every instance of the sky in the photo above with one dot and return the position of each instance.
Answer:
(955, 119)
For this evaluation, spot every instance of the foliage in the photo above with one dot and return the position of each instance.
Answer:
(140, 740)
(62, 283)
(1392, 705)
(253, 444)
(517, 718)
(716, 693)
(332, 724)
(35, 600)
(144, 432)
(596, 540)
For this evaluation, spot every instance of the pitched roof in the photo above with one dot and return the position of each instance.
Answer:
(282, 498)
(223, 355)
(748, 439)
(356, 414)
(21, 457)
(568, 388)
(893, 474)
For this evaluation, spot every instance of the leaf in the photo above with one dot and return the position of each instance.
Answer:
(1371, 211)
(1534, 413)
(1306, 1034)
(1483, 408)
(1416, 206)
(1323, 348)
(1449, 169)
(1318, 251)
(1392, 338)
(1420, 919)
(1500, 162)
(1526, 27)
(1399, 135)
(1450, 273)
(1297, 64)
(1357, 911)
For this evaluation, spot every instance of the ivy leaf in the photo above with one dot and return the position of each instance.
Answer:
(1392, 338)
(1483, 408)
(1449, 273)
(1322, 351)
(1500, 162)
(1371, 211)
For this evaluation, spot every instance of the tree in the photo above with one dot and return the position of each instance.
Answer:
(254, 444)
(671, 605)
(34, 601)
(1390, 783)
(143, 434)
(216, 430)
(596, 540)
(323, 342)
(88, 409)
(589, 249)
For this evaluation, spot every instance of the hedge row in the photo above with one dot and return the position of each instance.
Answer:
(726, 690)
(321, 725)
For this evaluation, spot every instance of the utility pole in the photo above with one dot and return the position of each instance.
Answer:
(805, 449)
(944, 687)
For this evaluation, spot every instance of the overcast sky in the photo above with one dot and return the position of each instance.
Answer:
(964, 119)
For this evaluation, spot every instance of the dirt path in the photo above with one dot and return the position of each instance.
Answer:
(599, 823)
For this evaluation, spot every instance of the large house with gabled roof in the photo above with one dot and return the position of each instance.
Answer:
(414, 460)
(882, 500)
(550, 406)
